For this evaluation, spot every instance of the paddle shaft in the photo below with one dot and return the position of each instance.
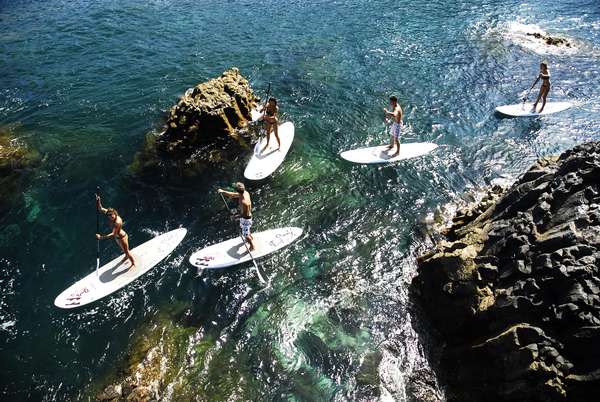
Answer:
(267, 101)
(260, 277)
(268, 94)
(97, 231)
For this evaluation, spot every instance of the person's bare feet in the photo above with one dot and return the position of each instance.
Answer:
(389, 147)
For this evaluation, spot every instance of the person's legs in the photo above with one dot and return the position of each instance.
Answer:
(276, 131)
(395, 131)
(268, 130)
(124, 245)
(250, 241)
(397, 143)
(246, 224)
(544, 95)
(537, 100)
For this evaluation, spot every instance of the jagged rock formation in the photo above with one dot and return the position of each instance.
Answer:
(550, 40)
(515, 290)
(15, 160)
(207, 117)
(212, 109)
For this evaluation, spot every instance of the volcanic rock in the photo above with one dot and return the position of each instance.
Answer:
(205, 120)
(514, 289)
(550, 40)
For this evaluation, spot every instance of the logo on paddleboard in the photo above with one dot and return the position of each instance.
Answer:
(281, 238)
(204, 260)
(77, 295)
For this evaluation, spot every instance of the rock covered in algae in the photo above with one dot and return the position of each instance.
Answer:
(16, 161)
(155, 360)
(206, 118)
(514, 290)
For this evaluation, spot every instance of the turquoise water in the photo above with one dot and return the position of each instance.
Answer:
(83, 82)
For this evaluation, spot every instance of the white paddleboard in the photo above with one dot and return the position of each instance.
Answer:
(264, 163)
(256, 114)
(524, 110)
(232, 252)
(116, 274)
(381, 154)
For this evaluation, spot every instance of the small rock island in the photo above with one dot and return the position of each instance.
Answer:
(206, 118)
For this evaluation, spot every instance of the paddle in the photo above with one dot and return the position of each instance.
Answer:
(268, 94)
(525, 98)
(260, 277)
(264, 109)
(97, 231)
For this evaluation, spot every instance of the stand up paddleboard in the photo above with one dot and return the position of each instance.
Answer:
(524, 110)
(264, 163)
(233, 252)
(256, 114)
(381, 154)
(116, 274)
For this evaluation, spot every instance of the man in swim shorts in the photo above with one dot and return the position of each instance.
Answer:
(245, 207)
(395, 114)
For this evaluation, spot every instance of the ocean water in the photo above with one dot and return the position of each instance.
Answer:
(83, 82)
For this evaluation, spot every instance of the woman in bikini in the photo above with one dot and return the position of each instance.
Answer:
(117, 232)
(271, 122)
(544, 75)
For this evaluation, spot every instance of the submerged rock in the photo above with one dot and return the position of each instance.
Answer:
(154, 361)
(550, 40)
(16, 161)
(206, 119)
(514, 289)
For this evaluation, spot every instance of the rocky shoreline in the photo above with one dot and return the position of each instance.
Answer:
(513, 291)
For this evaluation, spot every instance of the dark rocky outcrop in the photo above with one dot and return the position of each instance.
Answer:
(206, 119)
(550, 40)
(514, 290)
(16, 161)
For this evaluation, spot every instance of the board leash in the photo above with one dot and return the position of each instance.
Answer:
(260, 277)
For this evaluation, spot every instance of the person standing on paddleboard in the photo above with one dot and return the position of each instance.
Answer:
(245, 205)
(396, 115)
(544, 75)
(117, 232)
(271, 122)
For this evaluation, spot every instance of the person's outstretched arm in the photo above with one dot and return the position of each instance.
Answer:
(229, 194)
(99, 205)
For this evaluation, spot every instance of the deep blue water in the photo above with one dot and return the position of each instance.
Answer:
(83, 82)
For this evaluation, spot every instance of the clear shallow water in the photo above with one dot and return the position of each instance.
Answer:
(83, 82)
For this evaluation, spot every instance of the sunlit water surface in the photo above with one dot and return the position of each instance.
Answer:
(83, 82)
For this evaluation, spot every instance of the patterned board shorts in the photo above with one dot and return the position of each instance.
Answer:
(245, 224)
(395, 130)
